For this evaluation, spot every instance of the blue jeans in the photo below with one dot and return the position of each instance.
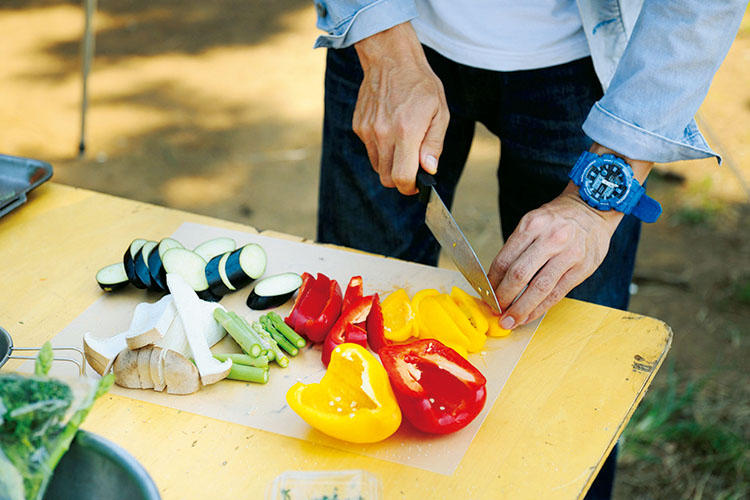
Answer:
(537, 114)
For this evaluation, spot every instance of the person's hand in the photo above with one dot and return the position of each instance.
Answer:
(553, 249)
(401, 114)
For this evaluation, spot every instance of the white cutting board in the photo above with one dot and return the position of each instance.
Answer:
(264, 406)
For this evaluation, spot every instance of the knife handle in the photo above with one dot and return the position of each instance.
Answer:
(425, 181)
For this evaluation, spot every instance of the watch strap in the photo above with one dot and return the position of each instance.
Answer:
(647, 209)
(576, 173)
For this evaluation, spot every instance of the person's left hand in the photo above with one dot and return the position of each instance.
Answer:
(553, 249)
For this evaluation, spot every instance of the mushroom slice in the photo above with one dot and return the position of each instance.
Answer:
(157, 369)
(180, 375)
(126, 369)
(144, 367)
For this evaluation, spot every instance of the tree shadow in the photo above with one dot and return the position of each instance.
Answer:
(166, 26)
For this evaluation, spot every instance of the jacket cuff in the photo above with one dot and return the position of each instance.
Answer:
(637, 143)
(367, 21)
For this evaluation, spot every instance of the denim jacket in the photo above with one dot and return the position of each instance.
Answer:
(654, 58)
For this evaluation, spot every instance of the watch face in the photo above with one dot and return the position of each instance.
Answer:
(605, 181)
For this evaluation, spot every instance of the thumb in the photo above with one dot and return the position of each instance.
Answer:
(432, 145)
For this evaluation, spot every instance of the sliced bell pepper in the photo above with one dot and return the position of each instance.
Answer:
(493, 320)
(398, 317)
(475, 338)
(438, 391)
(415, 303)
(375, 329)
(353, 402)
(317, 307)
(353, 292)
(342, 330)
(470, 308)
(436, 323)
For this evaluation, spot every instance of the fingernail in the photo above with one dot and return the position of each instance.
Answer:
(508, 323)
(430, 163)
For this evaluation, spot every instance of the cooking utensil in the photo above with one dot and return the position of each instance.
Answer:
(7, 348)
(18, 176)
(446, 231)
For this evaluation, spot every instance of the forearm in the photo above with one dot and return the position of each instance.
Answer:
(398, 44)
(663, 77)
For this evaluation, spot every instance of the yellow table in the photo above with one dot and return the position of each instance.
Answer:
(555, 421)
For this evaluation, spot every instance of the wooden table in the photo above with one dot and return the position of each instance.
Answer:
(555, 421)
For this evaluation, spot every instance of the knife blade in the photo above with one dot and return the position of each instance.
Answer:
(447, 232)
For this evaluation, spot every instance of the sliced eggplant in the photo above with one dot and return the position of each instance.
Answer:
(128, 260)
(112, 277)
(273, 291)
(141, 263)
(223, 272)
(245, 265)
(213, 275)
(155, 267)
(208, 295)
(217, 246)
(187, 264)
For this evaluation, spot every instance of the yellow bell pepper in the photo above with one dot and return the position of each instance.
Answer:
(469, 307)
(398, 317)
(493, 319)
(475, 338)
(353, 402)
(415, 303)
(436, 323)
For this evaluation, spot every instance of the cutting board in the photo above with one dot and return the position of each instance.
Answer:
(264, 406)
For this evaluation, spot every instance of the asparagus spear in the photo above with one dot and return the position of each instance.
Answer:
(280, 358)
(240, 331)
(243, 359)
(284, 329)
(282, 341)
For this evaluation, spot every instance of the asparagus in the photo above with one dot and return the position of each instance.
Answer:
(282, 341)
(240, 331)
(284, 329)
(271, 344)
(243, 359)
(258, 375)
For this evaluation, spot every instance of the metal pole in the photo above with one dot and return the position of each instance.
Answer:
(87, 53)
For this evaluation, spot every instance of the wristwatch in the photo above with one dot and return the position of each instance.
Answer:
(606, 182)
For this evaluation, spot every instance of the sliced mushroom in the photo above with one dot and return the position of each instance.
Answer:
(144, 367)
(157, 369)
(126, 369)
(150, 322)
(101, 352)
(180, 375)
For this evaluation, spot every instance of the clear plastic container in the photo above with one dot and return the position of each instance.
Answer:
(325, 485)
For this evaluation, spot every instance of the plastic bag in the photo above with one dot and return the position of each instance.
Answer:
(39, 417)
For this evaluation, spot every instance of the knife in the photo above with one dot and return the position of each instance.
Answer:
(443, 226)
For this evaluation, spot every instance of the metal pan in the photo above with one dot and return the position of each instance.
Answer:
(7, 349)
(18, 176)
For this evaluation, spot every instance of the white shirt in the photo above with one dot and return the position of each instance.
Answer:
(502, 35)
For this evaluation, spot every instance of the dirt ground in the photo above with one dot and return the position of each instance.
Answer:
(216, 108)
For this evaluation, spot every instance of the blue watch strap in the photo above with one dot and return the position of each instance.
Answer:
(647, 209)
(584, 159)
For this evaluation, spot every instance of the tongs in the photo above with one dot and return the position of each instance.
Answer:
(7, 349)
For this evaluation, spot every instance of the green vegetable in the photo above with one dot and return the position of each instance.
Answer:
(239, 330)
(33, 432)
(278, 337)
(243, 359)
(292, 336)
(271, 345)
(248, 373)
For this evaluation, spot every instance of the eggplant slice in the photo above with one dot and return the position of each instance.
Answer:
(245, 265)
(128, 260)
(274, 291)
(155, 266)
(112, 277)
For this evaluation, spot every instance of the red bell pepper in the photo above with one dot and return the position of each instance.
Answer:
(316, 308)
(347, 328)
(376, 327)
(437, 389)
(353, 292)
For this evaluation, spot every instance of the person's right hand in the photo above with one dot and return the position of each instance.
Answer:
(401, 113)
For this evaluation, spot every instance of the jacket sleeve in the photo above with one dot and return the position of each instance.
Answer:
(349, 21)
(663, 77)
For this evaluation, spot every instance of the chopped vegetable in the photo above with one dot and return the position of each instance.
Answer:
(346, 328)
(112, 277)
(437, 389)
(101, 353)
(353, 401)
(217, 246)
(278, 337)
(245, 265)
(375, 330)
(240, 331)
(128, 261)
(292, 336)
(243, 359)
(141, 264)
(272, 348)
(258, 375)
(317, 307)
(155, 266)
(150, 322)
(273, 291)
(398, 317)
(196, 320)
